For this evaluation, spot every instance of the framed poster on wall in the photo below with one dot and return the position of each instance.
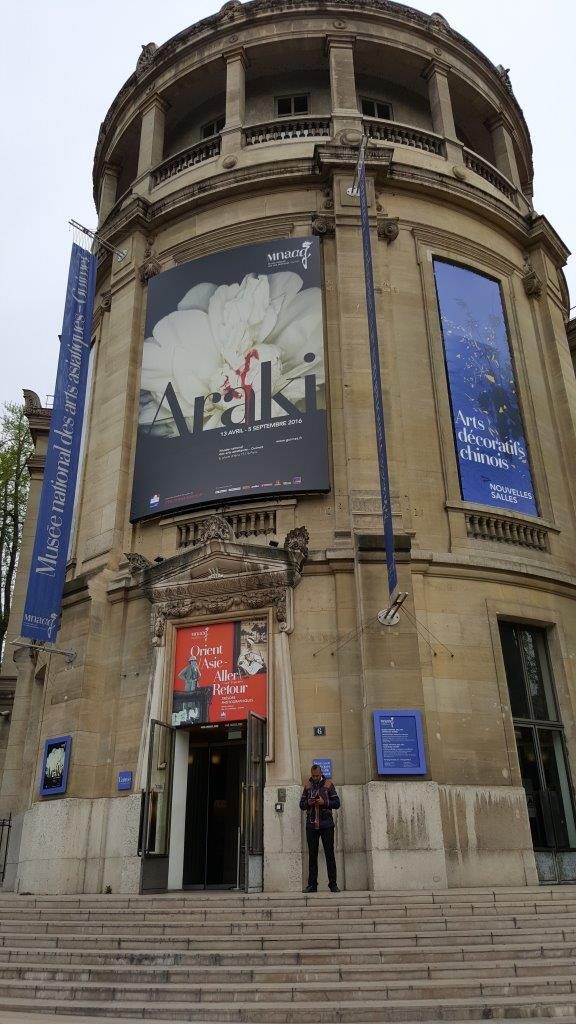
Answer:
(220, 672)
(55, 766)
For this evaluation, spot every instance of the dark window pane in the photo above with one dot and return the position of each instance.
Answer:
(537, 674)
(383, 111)
(300, 104)
(208, 130)
(284, 106)
(539, 815)
(557, 786)
(221, 121)
(368, 108)
(514, 671)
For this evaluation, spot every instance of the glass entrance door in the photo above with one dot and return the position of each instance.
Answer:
(155, 822)
(541, 752)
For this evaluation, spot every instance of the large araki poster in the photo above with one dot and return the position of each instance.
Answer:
(232, 395)
(488, 429)
(220, 672)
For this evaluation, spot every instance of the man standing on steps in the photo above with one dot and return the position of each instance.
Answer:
(319, 798)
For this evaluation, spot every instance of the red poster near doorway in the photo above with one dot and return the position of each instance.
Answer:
(220, 672)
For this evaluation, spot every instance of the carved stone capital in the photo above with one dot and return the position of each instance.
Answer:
(324, 227)
(136, 562)
(297, 541)
(389, 229)
(106, 301)
(530, 280)
(151, 265)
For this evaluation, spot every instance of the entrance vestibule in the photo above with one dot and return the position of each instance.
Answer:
(203, 807)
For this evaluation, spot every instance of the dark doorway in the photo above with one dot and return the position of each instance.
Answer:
(213, 855)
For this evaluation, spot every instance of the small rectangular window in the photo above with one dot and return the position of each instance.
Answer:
(213, 127)
(375, 108)
(287, 106)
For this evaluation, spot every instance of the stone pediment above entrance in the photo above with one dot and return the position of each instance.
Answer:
(221, 574)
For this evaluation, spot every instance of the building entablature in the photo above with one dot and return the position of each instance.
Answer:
(230, 91)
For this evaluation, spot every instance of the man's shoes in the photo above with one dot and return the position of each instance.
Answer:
(333, 887)
(311, 888)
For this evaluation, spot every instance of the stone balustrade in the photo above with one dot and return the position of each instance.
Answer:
(404, 135)
(251, 523)
(506, 530)
(287, 129)
(196, 154)
(490, 174)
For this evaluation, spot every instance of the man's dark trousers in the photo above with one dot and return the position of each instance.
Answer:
(313, 836)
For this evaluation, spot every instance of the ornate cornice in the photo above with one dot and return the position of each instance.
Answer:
(156, 59)
(221, 574)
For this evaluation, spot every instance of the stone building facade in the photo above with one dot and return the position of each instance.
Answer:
(245, 128)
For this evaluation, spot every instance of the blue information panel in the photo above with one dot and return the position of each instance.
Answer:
(124, 780)
(399, 742)
(325, 763)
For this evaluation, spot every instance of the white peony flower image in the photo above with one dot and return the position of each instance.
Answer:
(55, 763)
(214, 344)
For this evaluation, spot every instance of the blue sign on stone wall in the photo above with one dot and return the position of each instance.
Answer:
(399, 742)
(325, 763)
(488, 430)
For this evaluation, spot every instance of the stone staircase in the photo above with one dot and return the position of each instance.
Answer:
(461, 955)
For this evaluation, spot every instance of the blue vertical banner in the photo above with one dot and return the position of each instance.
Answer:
(377, 384)
(488, 429)
(48, 567)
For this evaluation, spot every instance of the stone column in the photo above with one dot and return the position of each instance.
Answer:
(151, 134)
(436, 74)
(345, 113)
(236, 64)
(504, 156)
(108, 188)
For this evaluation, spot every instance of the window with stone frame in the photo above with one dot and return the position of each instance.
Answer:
(214, 127)
(292, 106)
(375, 108)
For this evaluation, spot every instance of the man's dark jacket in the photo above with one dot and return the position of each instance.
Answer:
(319, 817)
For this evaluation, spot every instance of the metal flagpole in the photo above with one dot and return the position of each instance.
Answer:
(390, 615)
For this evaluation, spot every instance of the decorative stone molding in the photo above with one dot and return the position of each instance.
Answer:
(221, 574)
(215, 528)
(137, 562)
(106, 301)
(146, 58)
(297, 542)
(504, 76)
(32, 403)
(389, 229)
(323, 226)
(530, 280)
(151, 265)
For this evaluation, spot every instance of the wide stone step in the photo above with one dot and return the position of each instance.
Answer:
(326, 974)
(302, 992)
(287, 956)
(307, 925)
(319, 908)
(205, 941)
(514, 1009)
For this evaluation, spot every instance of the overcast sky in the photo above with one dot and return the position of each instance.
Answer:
(62, 64)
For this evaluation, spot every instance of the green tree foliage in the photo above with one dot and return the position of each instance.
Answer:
(15, 449)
